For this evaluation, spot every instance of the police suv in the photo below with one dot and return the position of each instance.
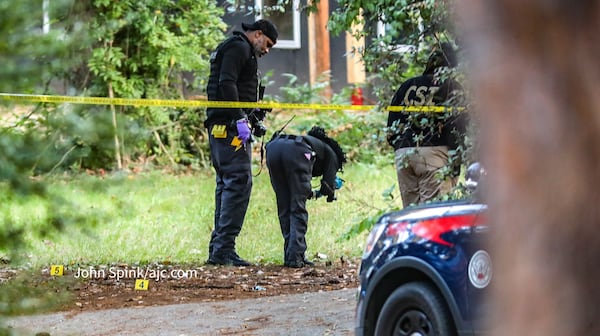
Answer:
(425, 270)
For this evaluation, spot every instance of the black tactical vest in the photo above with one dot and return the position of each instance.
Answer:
(242, 68)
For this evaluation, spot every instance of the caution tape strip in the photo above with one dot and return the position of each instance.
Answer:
(213, 104)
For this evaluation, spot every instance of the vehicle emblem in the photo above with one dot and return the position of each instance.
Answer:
(480, 269)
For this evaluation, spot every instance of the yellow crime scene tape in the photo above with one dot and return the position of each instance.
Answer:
(205, 103)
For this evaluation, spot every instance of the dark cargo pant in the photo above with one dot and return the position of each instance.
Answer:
(232, 163)
(290, 162)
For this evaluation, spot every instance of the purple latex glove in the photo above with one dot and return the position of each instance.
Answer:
(243, 130)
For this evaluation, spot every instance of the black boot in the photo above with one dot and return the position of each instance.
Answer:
(227, 259)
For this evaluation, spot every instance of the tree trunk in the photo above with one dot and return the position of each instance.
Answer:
(115, 128)
(535, 69)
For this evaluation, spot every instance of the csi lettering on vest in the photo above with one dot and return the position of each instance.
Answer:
(420, 95)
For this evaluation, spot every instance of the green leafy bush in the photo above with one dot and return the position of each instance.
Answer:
(151, 49)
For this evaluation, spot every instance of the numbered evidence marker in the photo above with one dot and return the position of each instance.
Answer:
(56, 270)
(141, 284)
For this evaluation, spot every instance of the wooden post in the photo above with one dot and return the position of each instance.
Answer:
(322, 44)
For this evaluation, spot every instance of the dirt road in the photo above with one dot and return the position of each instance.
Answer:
(310, 314)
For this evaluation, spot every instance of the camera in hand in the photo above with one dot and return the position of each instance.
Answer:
(256, 117)
(259, 129)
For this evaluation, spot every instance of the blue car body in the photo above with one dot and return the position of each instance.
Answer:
(440, 246)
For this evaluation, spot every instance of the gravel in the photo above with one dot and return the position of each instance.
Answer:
(310, 314)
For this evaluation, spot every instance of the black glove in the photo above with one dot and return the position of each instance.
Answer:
(331, 198)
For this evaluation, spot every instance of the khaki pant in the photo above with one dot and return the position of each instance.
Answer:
(418, 178)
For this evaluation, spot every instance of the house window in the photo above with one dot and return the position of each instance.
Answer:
(400, 38)
(287, 21)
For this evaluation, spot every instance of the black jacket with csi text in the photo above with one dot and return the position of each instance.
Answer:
(424, 90)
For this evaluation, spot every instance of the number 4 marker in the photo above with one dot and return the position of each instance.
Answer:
(141, 284)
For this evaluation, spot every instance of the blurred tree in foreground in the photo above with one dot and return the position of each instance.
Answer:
(536, 72)
(29, 55)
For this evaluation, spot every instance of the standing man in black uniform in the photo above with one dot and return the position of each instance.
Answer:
(233, 77)
(422, 149)
(293, 160)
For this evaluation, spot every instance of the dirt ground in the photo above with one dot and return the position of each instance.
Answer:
(216, 300)
(203, 283)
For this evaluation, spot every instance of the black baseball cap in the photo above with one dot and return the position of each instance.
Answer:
(265, 26)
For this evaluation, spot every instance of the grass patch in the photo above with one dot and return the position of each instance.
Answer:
(155, 217)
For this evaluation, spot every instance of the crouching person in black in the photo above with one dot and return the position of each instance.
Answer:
(293, 160)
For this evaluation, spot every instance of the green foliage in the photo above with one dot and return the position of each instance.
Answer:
(305, 93)
(365, 224)
(140, 50)
(412, 28)
(114, 48)
(144, 48)
(360, 134)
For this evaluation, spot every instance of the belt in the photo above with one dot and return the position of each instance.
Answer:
(291, 137)
(297, 138)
